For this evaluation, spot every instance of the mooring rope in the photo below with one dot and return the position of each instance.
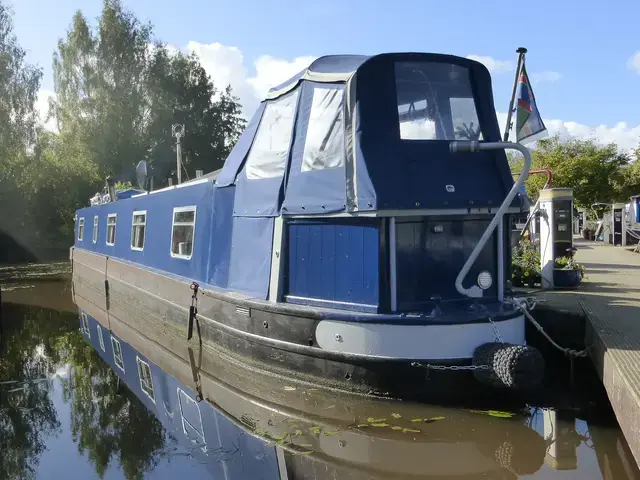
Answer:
(524, 305)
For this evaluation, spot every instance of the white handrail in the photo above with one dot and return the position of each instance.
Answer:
(474, 146)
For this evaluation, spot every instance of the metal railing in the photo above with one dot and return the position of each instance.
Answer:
(474, 146)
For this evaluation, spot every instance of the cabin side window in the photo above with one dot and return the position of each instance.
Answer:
(435, 102)
(183, 231)
(100, 337)
(85, 324)
(117, 353)
(111, 229)
(95, 229)
(324, 144)
(146, 382)
(81, 228)
(138, 228)
(270, 150)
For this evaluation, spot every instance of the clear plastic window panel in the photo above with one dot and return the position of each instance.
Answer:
(435, 102)
(324, 144)
(81, 229)
(270, 150)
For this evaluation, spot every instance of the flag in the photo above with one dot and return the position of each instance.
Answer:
(529, 124)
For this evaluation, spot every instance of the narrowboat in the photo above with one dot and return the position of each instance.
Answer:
(357, 236)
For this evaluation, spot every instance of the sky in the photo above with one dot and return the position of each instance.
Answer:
(583, 60)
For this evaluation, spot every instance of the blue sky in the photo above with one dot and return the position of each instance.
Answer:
(581, 53)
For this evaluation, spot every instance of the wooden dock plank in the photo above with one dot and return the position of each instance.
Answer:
(610, 299)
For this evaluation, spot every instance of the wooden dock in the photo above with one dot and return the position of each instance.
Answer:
(609, 297)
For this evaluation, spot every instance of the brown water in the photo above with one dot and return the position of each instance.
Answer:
(64, 413)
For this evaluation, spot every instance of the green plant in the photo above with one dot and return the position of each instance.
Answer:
(568, 263)
(526, 263)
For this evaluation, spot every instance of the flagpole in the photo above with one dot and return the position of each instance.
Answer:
(521, 52)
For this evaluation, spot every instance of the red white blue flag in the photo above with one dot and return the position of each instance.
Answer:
(529, 124)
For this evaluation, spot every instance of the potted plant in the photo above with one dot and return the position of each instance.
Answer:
(526, 265)
(567, 272)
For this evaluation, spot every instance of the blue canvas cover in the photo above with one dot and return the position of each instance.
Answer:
(398, 115)
(316, 182)
(251, 255)
(234, 161)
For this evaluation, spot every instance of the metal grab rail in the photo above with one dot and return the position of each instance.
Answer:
(474, 146)
(536, 206)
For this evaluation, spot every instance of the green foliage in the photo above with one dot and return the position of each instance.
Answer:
(19, 85)
(118, 97)
(118, 91)
(526, 264)
(595, 172)
(568, 263)
(106, 419)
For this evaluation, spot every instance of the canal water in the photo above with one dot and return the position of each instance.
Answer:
(78, 401)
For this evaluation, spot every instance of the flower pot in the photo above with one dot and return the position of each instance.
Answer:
(566, 278)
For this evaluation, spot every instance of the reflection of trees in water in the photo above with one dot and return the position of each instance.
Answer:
(27, 360)
(106, 422)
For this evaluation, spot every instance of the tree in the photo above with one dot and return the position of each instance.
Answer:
(593, 171)
(99, 85)
(19, 84)
(119, 96)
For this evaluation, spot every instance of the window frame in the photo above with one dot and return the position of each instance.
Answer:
(81, 229)
(133, 225)
(188, 208)
(96, 225)
(100, 337)
(139, 363)
(115, 223)
(114, 342)
(85, 324)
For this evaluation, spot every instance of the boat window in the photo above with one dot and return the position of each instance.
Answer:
(324, 145)
(95, 228)
(146, 382)
(111, 229)
(100, 337)
(138, 227)
(80, 228)
(182, 235)
(270, 150)
(435, 102)
(117, 353)
(85, 324)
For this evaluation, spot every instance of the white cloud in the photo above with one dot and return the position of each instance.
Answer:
(42, 106)
(227, 67)
(634, 62)
(546, 77)
(627, 137)
(494, 66)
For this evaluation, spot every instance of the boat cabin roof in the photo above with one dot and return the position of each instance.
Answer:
(355, 133)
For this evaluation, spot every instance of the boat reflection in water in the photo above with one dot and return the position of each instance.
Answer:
(243, 424)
